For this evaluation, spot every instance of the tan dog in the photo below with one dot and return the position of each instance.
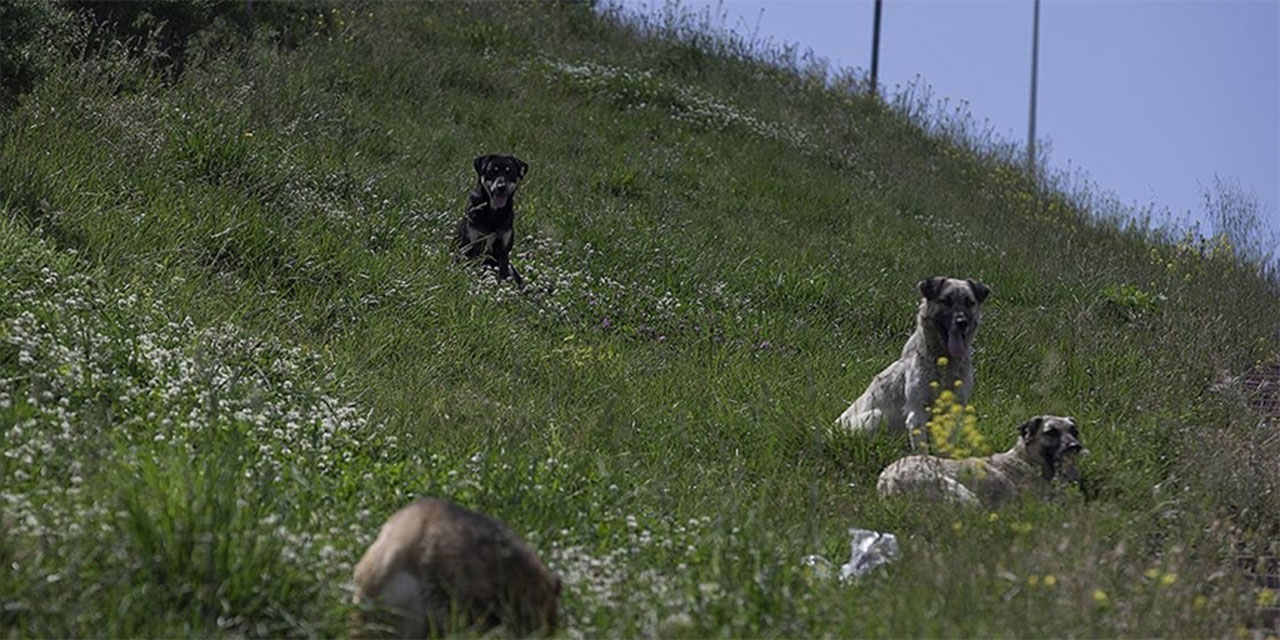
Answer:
(1047, 446)
(437, 568)
(898, 398)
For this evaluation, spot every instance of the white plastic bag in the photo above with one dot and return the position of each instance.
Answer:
(868, 550)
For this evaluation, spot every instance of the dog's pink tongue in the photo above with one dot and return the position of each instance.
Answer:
(497, 201)
(956, 346)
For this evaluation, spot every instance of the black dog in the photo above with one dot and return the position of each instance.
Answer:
(487, 230)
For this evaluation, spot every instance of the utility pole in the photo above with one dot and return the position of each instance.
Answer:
(1035, 59)
(875, 50)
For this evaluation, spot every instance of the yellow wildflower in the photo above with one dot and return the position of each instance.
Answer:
(1099, 597)
(1033, 580)
(1050, 580)
(953, 427)
(1266, 598)
(942, 361)
(1151, 573)
(1199, 602)
(993, 516)
(1168, 579)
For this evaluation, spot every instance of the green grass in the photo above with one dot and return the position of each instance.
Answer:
(233, 342)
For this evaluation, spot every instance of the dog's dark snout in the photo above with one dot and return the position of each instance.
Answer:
(1073, 446)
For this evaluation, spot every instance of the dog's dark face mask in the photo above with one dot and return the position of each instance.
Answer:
(953, 309)
(500, 177)
(1054, 443)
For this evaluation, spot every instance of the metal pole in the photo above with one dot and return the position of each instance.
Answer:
(875, 50)
(1035, 59)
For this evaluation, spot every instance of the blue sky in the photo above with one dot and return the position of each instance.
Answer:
(1150, 98)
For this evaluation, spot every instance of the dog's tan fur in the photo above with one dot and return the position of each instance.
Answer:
(1047, 446)
(437, 568)
(898, 398)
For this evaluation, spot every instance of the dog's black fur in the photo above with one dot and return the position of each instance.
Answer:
(487, 230)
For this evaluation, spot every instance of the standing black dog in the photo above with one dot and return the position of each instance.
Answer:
(487, 231)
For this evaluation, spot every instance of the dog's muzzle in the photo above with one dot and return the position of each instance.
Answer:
(500, 192)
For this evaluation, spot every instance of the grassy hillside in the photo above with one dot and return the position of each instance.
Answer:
(233, 341)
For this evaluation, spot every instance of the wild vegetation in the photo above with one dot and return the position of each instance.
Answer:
(232, 340)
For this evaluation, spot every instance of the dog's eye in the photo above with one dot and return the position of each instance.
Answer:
(1052, 432)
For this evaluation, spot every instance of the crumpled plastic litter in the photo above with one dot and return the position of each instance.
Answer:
(867, 550)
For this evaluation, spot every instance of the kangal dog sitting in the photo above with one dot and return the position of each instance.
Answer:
(1047, 447)
(438, 569)
(899, 397)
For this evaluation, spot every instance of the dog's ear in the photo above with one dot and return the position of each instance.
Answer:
(480, 163)
(524, 166)
(980, 291)
(1030, 428)
(931, 287)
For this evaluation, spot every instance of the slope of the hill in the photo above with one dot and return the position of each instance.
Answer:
(233, 341)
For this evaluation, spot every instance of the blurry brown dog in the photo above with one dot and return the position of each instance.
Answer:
(437, 568)
(1047, 446)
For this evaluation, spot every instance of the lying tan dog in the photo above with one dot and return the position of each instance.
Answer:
(1047, 446)
(437, 568)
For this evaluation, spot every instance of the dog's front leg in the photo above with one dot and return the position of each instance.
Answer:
(917, 396)
(504, 265)
(508, 270)
(917, 432)
(916, 419)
